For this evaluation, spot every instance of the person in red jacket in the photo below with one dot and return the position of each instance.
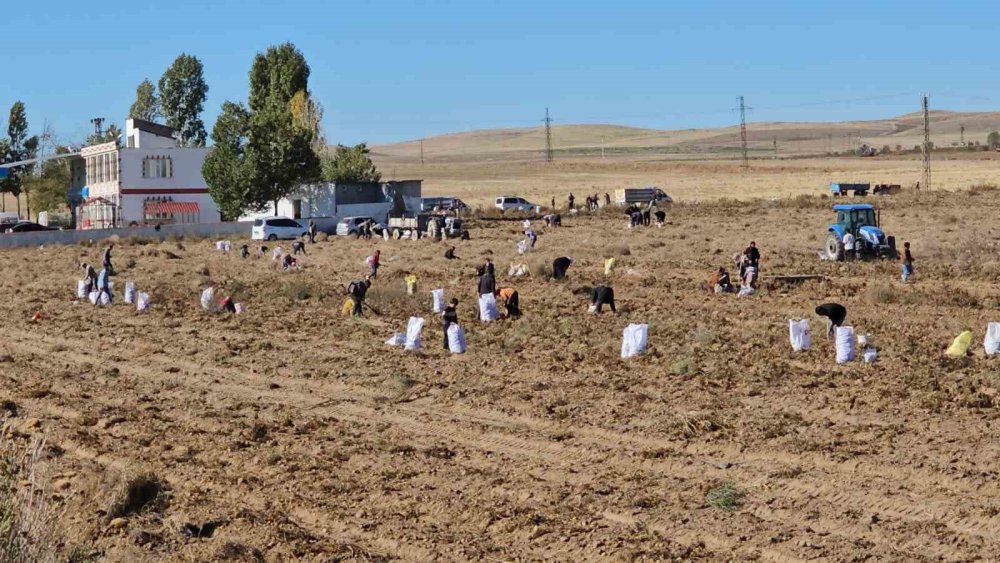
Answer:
(373, 264)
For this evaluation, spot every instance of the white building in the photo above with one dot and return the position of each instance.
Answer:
(149, 181)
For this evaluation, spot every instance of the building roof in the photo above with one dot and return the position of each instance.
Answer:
(853, 206)
(170, 207)
(154, 128)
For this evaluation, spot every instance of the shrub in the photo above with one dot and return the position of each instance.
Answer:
(979, 189)
(134, 494)
(881, 294)
(27, 522)
(725, 496)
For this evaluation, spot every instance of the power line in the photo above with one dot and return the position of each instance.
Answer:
(548, 136)
(421, 152)
(927, 145)
(743, 132)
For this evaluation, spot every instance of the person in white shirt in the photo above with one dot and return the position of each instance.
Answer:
(848, 246)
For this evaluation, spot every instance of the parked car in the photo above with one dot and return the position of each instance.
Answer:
(351, 226)
(28, 227)
(274, 228)
(503, 203)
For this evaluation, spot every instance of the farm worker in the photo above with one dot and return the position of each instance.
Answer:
(907, 262)
(106, 261)
(720, 282)
(848, 241)
(261, 251)
(532, 237)
(753, 254)
(90, 275)
(449, 316)
(487, 283)
(297, 247)
(450, 253)
(312, 231)
(835, 314)
(553, 202)
(103, 286)
(511, 301)
(357, 291)
(661, 217)
(374, 264)
(287, 262)
(571, 200)
(559, 267)
(602, 295)
(486, 268)
(244, 252)
(228, 305)
(527, 224)
(749, 277)
(607, 199)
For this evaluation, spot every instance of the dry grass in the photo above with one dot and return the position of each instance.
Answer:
(134, 494)
(27, 522)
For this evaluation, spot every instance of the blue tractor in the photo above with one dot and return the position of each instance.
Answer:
(864, 222)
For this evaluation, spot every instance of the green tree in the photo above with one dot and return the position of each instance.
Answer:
(51, 189)
(182, 96)
(350, 164)
(223, 169)
(277, 75)
(279, 156)
(18, 147)
(145, 106)
(993, 139)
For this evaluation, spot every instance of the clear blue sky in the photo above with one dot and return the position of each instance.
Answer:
(395, 70)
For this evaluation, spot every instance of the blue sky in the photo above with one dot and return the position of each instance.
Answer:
(397, 70)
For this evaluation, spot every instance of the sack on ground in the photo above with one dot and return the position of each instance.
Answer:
(347, 308)
(129, 292)
(437, 297)
(81, 289)
(992, 341)
(960, 346)
(105, 298)
(635, 338)
(397, 339)
(609, 266)
(94, 296)
(142, 302)
(456, 339)
(798, 333)
(488, 308)
(517, 270)
(223, 245)
(869, 355)
(413, 329)
(276, 253)
(208, 299)
(845, 344)
(411, 284)
(746, 291)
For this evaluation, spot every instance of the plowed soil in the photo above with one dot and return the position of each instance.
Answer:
(299, 435)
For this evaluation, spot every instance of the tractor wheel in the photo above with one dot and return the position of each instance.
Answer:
(833, 251)
(353, 235)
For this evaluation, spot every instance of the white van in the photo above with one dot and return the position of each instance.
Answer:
(504, 203)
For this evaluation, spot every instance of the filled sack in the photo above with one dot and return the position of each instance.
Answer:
(276, 253)
(413, 329)
(488, 307)
(635, 338)
(208, 299)
(347, 308)
(81, 289)
(397, 339)
(456, 339)
(105, 298)
(411, 284)
(142, 302)
(845, 344)
(223, 245)
(94, 296)
(960, 346)
(869, 355)
(992, 341)
(798, 333)
(437, 298)
(129, 292)
(522, 246)
(609, 266)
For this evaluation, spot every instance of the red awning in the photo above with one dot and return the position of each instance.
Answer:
(170, 207)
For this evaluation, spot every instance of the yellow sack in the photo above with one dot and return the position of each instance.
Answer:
(348, 307)
(609, 266)
(960, 345)
(411, 284)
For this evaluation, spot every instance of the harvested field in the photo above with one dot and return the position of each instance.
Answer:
(291, 432)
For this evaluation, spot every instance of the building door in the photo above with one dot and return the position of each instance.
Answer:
(296, 209)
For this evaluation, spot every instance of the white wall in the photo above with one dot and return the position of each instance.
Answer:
(36, 238)
(186, 185)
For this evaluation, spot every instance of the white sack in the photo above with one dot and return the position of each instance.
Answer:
(413, 329)
(438, 300)
(93, 297)
(517, 270)
(746, 291)
(240, 308)
(635, 338)
(488, 307)
(456, 339)
(845, 344)
(81, 289)
(798, 333)
(522, 246)
(105, 298)
(869, 355)
(992, 342)
(223, 245)
(397, 339)
(129, 292)
(208, 299)
(142, 302)
(276, 253)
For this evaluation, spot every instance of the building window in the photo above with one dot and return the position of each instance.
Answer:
(157, 167)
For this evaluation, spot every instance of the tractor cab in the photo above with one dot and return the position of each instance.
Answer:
(864, 222)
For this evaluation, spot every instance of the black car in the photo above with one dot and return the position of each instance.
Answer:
(28, 227)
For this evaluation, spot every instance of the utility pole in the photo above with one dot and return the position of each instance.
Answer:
(743, 133)
(927, 145)
(961, 133)
(548, 136)
(602, 147)
(421, 152)
(775, 148)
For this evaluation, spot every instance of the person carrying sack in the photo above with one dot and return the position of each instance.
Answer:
(448, 317)
(90, 276)
(357, 290)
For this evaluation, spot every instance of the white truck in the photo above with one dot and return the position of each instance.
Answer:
(641, 196)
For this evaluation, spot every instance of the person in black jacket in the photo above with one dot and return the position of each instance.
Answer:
(559, 267)
(601, 296)
(450, 253)
(357, 291)
(449, 316)
(835, 314)
(753, 255)
(487, 283)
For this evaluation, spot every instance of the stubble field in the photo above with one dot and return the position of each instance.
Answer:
(298, 435)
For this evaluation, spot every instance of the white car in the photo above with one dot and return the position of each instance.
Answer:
(351, 226)
(504, 203)
(274, 228)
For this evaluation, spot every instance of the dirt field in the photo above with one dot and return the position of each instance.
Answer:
(300, 436)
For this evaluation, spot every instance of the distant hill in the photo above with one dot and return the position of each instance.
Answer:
(790, 138)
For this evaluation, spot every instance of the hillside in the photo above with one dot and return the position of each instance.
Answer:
(789, 138)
